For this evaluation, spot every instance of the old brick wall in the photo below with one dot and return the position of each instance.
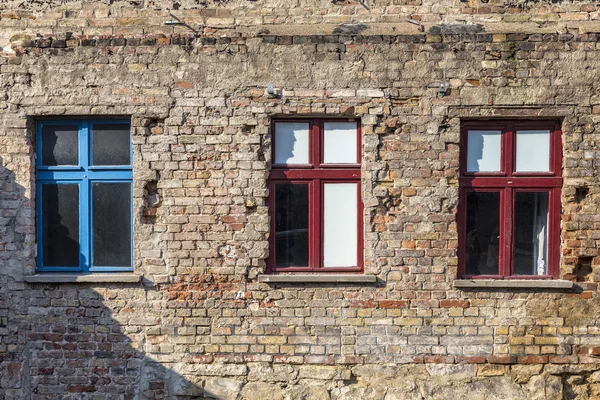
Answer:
(133, 15)
(201, 324)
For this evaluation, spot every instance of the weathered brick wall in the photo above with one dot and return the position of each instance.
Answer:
(201, 322)
(251, 12)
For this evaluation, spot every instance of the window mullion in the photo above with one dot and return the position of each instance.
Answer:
(317, 141)
(508, 144)
(316, 198)
(84, 147)
(506, 236)
(84, 202)
(316, 223)
(109, 175)
(85, 226)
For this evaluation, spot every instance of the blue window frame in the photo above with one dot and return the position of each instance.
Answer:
(84, 195)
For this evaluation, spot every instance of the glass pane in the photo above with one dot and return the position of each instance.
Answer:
(111, 144)
(483, 151)
(111, 233)
(340, 225)
(533, 151)
(291, 143)
(340, 145)
(483, 233)
(60, 225)
(60, 145)
(531, 233)
(291, 225)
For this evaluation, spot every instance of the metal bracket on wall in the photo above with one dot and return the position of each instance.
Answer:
(177, 21)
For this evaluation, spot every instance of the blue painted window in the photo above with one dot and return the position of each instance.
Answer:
(84, 195)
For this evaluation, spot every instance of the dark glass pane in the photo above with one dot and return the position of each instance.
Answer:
(483, 232)
(111, 144)
(291, 225)
(111, 233)
(60, 225)
(60, 145)
(531, 233)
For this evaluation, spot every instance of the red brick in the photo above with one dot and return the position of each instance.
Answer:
(533, 359)
(201, 359)
(184, 85)
(563, 359)
(439, 359)
(82, 388)
(363, 304)
(233, 218)
(392, 304)
(454, 303)
(504, 359)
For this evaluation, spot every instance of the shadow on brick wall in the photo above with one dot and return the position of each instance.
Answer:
(74, 347)
(13, 255)
(62, 341)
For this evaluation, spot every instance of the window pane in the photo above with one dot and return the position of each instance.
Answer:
(291, 225)
(60, 145)
(340, 145)
(291, 143)
(531, 233)
(483, 233)
(483, 151)
(533, 151)
(60, 225)
(111, 144)
(111, 232)
(340, 225)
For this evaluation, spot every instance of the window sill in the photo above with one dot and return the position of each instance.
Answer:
(83, 278)
(512, 284)
(318, 278)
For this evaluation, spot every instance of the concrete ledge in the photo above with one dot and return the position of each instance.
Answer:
(83, 278)
(512, 284)
(318, 278)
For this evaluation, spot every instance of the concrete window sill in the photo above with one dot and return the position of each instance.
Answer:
(83, 278)
(317, 278)
(512, 284)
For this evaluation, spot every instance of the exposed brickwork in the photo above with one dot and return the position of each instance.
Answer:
(201, 322)
(106, 15)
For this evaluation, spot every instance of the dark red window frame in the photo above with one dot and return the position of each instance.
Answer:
(316, 174)
(508, 182)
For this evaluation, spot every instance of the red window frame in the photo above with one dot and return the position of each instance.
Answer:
(316, 174)
(508, 182)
